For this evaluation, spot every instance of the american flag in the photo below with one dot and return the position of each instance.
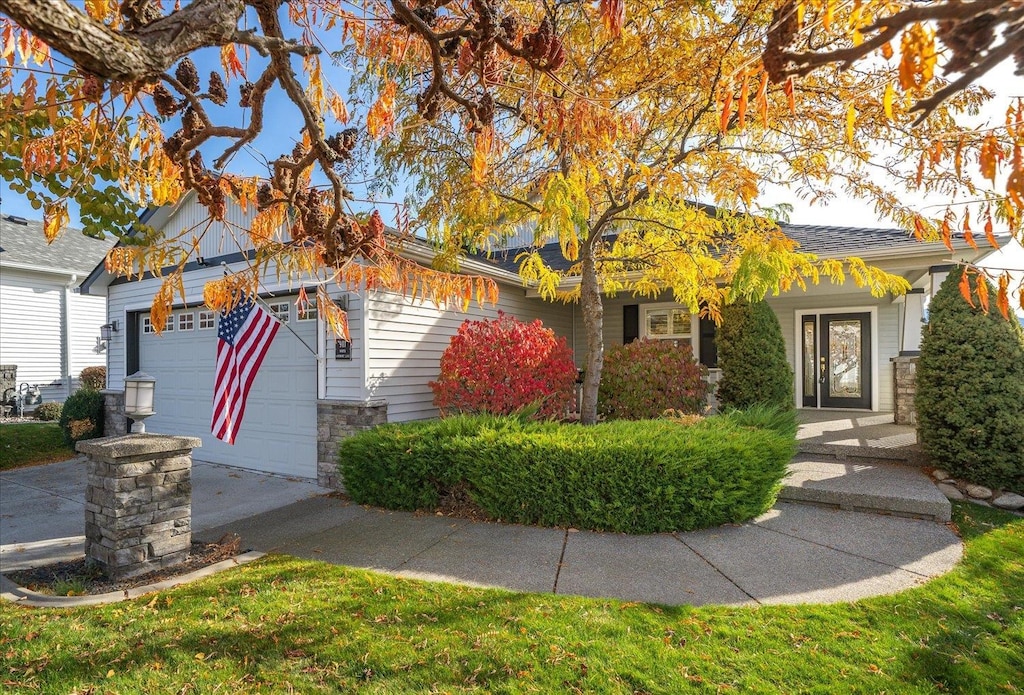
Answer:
(243, 337)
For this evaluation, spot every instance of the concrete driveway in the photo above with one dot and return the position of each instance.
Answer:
(42, 508)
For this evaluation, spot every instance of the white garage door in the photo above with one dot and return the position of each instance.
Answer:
(278, 433)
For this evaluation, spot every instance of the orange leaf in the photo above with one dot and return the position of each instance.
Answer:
(965, 289)
(989, 230)
(966, 228)
(381, 117)
(1003, 296)
(919, 229)
(981, 284)
(788, 88)
(947, 234)
(762, 98)
(723, 122)
(741, 109)
(989, 157)
(230, 62)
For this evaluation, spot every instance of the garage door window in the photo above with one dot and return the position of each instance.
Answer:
(206, 320)
(186, 321)
(281, 310)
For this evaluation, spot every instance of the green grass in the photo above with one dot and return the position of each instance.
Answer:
(25, 444)
(281, 624)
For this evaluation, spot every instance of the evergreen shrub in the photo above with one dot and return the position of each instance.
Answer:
(644, 378)
(48, 411)
(94, 378)
(503, 366)
(970, 390)
(752, 357)
(634, 477)
(82, 416)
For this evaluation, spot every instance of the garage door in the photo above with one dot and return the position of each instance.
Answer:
(278, 433)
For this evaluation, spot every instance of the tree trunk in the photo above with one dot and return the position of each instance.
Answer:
(593, 328)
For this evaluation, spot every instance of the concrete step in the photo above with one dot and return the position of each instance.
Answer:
(910, 455)
(865, 487)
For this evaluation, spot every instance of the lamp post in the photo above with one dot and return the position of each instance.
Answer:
(138, 399)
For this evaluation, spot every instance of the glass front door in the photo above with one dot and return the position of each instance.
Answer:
(836, 360)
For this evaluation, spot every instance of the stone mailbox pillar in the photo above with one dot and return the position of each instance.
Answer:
(138, 504)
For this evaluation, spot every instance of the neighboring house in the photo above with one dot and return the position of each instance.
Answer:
(49, 330)
(310, 392)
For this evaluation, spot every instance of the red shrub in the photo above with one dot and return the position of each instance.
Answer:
(502, 365)
(645, 378)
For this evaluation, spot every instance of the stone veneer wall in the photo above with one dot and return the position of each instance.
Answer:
(336, 420)
(904, 388)
(115, 422)
(138, 503)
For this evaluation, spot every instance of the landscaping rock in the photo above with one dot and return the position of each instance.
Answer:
(1009, 500)
(950, 491)
(940, 475)
(978, 492)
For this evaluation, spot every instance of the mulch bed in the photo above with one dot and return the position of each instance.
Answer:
(87, 578)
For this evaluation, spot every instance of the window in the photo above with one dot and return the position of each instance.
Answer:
(147, 325)
(207, 320)
(667, 323)
(307, 312)
(186, 321)
(169, 325)
(281, 311)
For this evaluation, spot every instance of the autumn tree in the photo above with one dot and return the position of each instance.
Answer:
(650, 111)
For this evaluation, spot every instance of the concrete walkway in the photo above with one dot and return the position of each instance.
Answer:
(793, 554)
(42, 508)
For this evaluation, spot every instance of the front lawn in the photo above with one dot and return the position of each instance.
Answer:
(30, 443)
(282, 624)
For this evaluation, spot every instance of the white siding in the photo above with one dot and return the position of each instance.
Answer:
(191, 219)
(345, 379)
(32, 335)
(406, 339)
(86, 315)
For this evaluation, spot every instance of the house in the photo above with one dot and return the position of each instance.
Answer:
(48, 330)
(312, 389)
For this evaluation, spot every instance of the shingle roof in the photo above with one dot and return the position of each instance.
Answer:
(822, 240)
(23, 243)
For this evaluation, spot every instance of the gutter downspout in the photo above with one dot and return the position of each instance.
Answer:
(65, 321)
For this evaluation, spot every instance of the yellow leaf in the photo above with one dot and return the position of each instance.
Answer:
(887, 101)
(110, 673)
(55, 219)
(381, 118)
(200, 656)
(851, 120)
(481, 151)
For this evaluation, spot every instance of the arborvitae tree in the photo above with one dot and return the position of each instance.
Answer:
(752, 355)
(970, 389)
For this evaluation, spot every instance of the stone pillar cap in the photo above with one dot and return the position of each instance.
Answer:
(136, 445)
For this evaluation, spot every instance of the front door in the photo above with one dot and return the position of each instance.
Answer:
(836, 356)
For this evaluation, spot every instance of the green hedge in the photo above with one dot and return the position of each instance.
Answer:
(636, 477)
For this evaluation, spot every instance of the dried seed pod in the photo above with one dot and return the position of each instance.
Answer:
(427, 14)
(509, 27)
(451, 46)
(187, 75)
(245, 94)
(172, 146)
(485, 109)
(191, 123)
(428, 106)
(93, 88)
(166, 104)
(264, 196)
(138, 13)
(217, 91)
(196, 160)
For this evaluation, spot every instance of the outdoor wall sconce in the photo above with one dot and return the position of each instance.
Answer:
(139, 389)
(108, 330)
